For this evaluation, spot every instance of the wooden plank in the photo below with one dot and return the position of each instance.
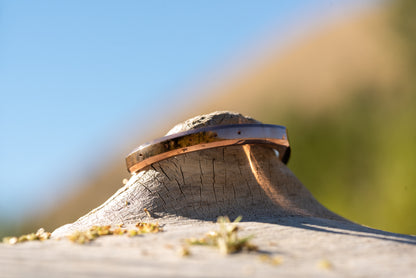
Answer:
(306, 247)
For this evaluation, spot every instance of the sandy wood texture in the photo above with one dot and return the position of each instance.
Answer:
(306, 247)
(186, 193)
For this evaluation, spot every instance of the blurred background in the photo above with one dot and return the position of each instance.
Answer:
(82, 83)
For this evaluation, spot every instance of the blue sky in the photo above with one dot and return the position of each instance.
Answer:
(76, 76)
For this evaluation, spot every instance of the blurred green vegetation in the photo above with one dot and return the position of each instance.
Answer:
(404, 20)
(359, 159)
(9, 228)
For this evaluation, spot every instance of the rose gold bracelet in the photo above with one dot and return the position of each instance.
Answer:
(274, 136)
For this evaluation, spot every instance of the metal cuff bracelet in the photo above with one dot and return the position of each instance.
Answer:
(274, 136)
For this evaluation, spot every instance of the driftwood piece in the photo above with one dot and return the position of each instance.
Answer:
(307, 247)
(185, 193)
(246, 180)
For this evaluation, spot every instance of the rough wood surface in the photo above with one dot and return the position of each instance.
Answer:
(244, 180)
(185, 193)
(302, 243)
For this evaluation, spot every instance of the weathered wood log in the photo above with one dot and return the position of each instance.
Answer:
(246, 180)
(185, 193)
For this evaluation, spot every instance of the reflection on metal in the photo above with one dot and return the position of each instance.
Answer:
(274, 136)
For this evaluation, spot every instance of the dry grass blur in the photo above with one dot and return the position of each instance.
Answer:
(318, 72)
(346, 95)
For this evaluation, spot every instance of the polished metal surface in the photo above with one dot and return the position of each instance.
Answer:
(274, 136)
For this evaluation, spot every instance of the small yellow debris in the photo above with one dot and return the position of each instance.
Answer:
(325, 264)
(119, 231)
(144, 228)
(105, 231)
(10, 240)
(147, 212)
(42, 235)
(91, 234)
(275, 260)
(132, 233)
(39, 235)
(184, 251)
(226, 238)
(125, 181)
(97, 231)
(81, 237)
